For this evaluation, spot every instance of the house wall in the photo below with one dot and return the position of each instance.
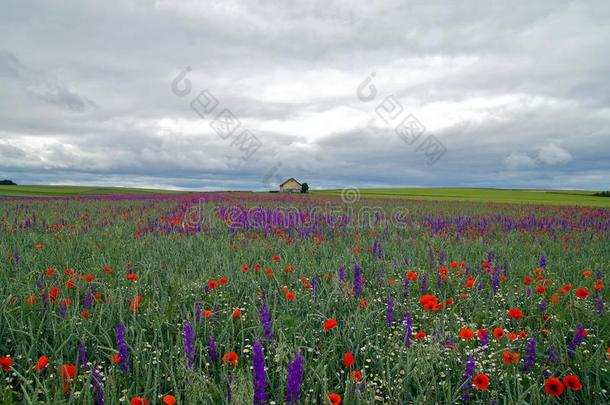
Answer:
(291, 186)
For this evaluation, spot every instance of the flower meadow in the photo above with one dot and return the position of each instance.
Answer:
(135, 300)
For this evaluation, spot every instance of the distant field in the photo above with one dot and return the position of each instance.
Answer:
(59, 191)
(552, 197)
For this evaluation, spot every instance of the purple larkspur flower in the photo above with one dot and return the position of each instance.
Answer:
(259, 375)
(423, 287)
(189, 345)
(96, 385)
(542, 261)
(197, 311)
(357, 280)
(82, 357)
(88, 299)
(467, 377)
(389, 313)
(212, 350)
(527, 363)
(62, 309)
(122, 348)
(599, 305)
(295, 379)
(579, 336)
(543, 305)
(266, 323)
(405, 287)
(342, 275)
(408, 322)
(553, 354)
(495, 280)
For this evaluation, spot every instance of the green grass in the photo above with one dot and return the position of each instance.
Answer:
(61, 191)
(550, 197)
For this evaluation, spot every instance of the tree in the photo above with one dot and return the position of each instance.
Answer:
(304, 188)
(7, 183)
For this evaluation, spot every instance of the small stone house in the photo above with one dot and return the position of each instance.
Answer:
(290, 186)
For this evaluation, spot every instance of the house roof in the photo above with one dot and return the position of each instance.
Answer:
(293, 179)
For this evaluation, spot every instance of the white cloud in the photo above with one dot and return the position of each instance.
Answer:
(552, 154)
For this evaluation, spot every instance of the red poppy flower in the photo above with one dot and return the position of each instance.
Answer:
(42, 362)
(275, 258)
(138, 401)
(348, 359)
(207, 313)
(230, 358)
(466, 334)
(89, 278)
(356, 375)
(289, 296)
(499, 333)
(420, 335)
(169, 400)
(69, 284)
(582, 293)
(334, 398)
(329, 324)
(132, 277)
(236, 313)
(553, 387)
(412, 275)
(481, 382)
(572, 382)
(540, 289)
(116, 358)
(6, 362)
(223, 281)
(515, 313)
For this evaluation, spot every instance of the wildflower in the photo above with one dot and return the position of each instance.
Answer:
(230, 358)
(356, 375)
(481, 382)
(96, 385)
(295, 379)
(265, 318)
(408, 322)
(334, 398)
(389, 317)
(466, 334)
(530, 358)
(357, 280)
(582, 293)
(211, 349)
(42, 363)
(468, 375)
(132, 277)
(515, 313)
(138, 401)
(289, 296)
(348, 359)
(236, 313)
(259, 375)
(553, 387)
(329, 324)
(169, 399)
(122, 347)
(6, 363)
(579, 336)
(572, 382)
(498, 333)
(189, 345)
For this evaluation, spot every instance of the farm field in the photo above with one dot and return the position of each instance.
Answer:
(61, 191)
(547, 197)
(269, 298)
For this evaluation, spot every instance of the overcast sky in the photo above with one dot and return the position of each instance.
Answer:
(517, 94)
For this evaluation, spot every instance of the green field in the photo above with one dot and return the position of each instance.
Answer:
(60, 191)
(551, 197)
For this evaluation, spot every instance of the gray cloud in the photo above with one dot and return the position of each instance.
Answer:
(516, 91)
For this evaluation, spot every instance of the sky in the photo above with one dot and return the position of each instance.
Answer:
(242, 95)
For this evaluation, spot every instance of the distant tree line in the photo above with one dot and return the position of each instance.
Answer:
(6, 182)
(602, 194)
